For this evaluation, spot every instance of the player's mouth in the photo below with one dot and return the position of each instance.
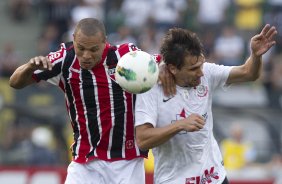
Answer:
(197, 81)
(86, 65)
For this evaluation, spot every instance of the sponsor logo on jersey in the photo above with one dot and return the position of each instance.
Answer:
(209, 176)
(167, 99)
(53, 56)
(111, 64)
(111, 71)
(205, 116)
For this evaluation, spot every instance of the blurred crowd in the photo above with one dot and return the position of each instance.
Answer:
(224, 26)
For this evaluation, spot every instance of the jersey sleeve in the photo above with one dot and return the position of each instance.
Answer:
(217, 74)
(53, 76)
(146, 107)
(125, 48)
(128, 47)
(157, 58)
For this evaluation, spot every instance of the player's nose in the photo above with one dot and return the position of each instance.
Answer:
(86, 55)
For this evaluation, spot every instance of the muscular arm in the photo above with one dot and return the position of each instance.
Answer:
(22, 76)
(148, 137)
(251, 70)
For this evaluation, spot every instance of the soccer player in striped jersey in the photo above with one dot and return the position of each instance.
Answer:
(101, 112)
(179, 128)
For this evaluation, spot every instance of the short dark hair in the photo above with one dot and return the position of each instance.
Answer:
(90, 27)
(179, 43)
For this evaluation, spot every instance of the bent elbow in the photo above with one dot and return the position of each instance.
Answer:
(144, 136)
(142, 144)
(14, 84)
(254, 77)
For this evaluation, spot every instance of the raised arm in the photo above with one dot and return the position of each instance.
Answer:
(251, 69)
(22, 76)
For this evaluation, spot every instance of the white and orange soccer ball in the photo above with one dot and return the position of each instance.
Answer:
(136, 72)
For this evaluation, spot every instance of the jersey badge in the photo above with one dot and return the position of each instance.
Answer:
(202, 90)
(129, 144)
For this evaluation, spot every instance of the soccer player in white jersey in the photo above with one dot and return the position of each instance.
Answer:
(179, 127)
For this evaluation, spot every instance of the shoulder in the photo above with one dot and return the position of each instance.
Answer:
(68, 46)
(66, 50)
(154, 92)
(212, 67)
(59, 54)
(130, 46)
(125, 48)
(208, 65)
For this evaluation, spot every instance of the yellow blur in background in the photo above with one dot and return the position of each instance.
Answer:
(149, 163)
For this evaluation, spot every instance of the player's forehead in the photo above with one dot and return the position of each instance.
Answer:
(194, 61)
(92, 41)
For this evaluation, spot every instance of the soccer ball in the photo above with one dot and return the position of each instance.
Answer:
(136, 72)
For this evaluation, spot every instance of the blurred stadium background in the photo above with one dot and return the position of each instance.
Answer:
(35, 133)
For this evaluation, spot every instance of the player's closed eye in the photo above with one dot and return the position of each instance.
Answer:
(94, 49)
(81, 48)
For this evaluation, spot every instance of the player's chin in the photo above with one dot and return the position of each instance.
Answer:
(195, 83)
(87, 65)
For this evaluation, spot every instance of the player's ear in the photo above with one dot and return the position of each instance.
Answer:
(172, 69)
(73, 36)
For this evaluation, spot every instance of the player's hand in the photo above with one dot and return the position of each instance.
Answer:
(166, 79)
(40, 63)
(262, 42)
(194, 122)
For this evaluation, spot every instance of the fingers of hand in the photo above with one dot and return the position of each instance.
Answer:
(267, 35)
(271, 33)
(195, 122)
(268, 32)
(41, 62)
(265, 29)
(170, 85)
(166, 79)
(196, 117)
(161, 74)
(198, 125)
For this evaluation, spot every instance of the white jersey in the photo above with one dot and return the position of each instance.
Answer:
(188, 157)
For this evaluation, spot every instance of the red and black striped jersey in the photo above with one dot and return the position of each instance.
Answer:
(101, 112)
